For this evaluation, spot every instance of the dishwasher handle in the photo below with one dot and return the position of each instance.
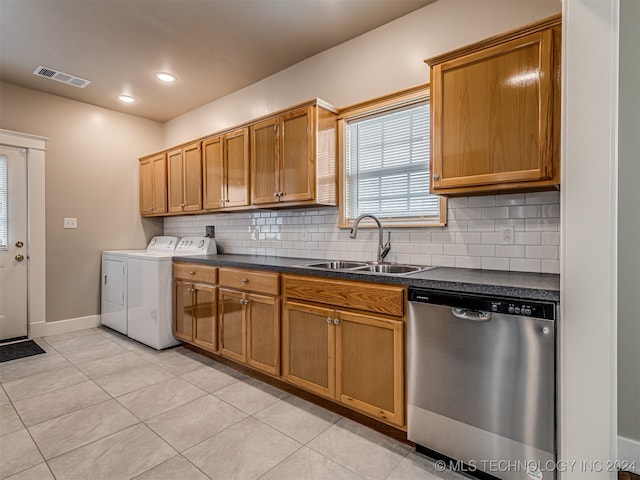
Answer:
(473, 315)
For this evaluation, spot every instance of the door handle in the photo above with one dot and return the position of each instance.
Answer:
(19, 244)
(473, 315)
(19, 257)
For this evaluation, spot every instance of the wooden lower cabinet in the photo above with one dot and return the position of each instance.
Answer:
(355, 358)
(233, 325)
(250, 329)
(308, 347)
(370, 365)
(195, 314)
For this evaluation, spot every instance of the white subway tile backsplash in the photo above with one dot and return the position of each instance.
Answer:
(495, 212)
(539, 251)
(527, 238)
(524, 265)
(510, 199)
(495, 263)
(482, 250)
(515, 251)
(468, 262)
(473, 237)
(550, 266)
(528, 211)
(488, 201)
(443, 261)
(455, 249)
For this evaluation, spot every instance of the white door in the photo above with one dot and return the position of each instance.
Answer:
(13, 242)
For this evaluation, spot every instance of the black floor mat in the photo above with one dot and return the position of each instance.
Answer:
(17, 350)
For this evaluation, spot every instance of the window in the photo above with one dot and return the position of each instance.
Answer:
(385, 164)
(3, 203)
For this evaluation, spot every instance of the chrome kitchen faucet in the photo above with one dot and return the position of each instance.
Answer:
(383, 248)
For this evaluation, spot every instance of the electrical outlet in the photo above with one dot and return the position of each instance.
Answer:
(305, 235)
(70, 223)
(507, 234)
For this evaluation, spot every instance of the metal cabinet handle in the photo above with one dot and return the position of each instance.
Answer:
(329, 320)
(152, 208)
(192, 273)
(222, 203)
(191, 290)
(436, 177)
(275, 194)
(245, 280)
(473, 315)
(244, 302)
(336, 321)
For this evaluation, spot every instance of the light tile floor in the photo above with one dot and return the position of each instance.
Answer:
(98, 405)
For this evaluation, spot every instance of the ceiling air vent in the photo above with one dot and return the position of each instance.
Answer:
(47, 72)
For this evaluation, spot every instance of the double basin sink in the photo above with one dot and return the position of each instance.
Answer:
(381, 268)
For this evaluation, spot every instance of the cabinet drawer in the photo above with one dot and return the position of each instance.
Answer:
(358, 295)
(195, 273)
(262, 282)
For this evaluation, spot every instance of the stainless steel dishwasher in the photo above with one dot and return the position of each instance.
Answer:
(481, 382)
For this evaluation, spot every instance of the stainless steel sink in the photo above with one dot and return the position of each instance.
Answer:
(336, 265)
(394, 269)
(378, 268)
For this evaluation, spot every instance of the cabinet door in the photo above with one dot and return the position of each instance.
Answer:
(159, 166)
(297, 162)
(213, 177)
(192, 159)
(265, 170)
(205, 332)
(369, 365)
(308, 347)
(236, 152)
(146, 187)
(183, 294)
(232, 324)
(175, 181)
(492, 115)
(263, 338)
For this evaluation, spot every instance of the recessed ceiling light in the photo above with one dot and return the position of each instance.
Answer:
(126, 98)
(165, 77)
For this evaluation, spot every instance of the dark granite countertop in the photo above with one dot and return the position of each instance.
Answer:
(526, 286)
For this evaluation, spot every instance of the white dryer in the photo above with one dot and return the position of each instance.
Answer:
(113, 312)
(150, 292)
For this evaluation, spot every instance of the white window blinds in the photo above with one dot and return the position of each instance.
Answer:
(387, 165)
(3, 203)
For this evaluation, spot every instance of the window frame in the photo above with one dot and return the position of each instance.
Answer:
(404, 98)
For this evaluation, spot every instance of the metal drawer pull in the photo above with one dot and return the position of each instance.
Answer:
(192, 273)
(245, 280)
(473, 315)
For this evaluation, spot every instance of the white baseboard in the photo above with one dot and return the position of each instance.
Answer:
(44, 329)
(629, 454)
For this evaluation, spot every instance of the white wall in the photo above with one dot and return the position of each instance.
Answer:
(629, 233)
(588, 417)
(385, 60)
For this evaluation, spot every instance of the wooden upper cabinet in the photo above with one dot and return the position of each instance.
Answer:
(226, 170)
(293, 158)
(185, 178)
(153, 185)
(495, 114)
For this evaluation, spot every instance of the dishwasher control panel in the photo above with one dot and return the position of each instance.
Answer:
(507, 306)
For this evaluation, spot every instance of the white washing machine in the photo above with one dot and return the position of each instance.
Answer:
(113, 312)
(150, 291)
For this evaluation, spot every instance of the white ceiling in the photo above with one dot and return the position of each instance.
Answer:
(214, 47)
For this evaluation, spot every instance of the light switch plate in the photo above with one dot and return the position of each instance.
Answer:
(70, 223)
